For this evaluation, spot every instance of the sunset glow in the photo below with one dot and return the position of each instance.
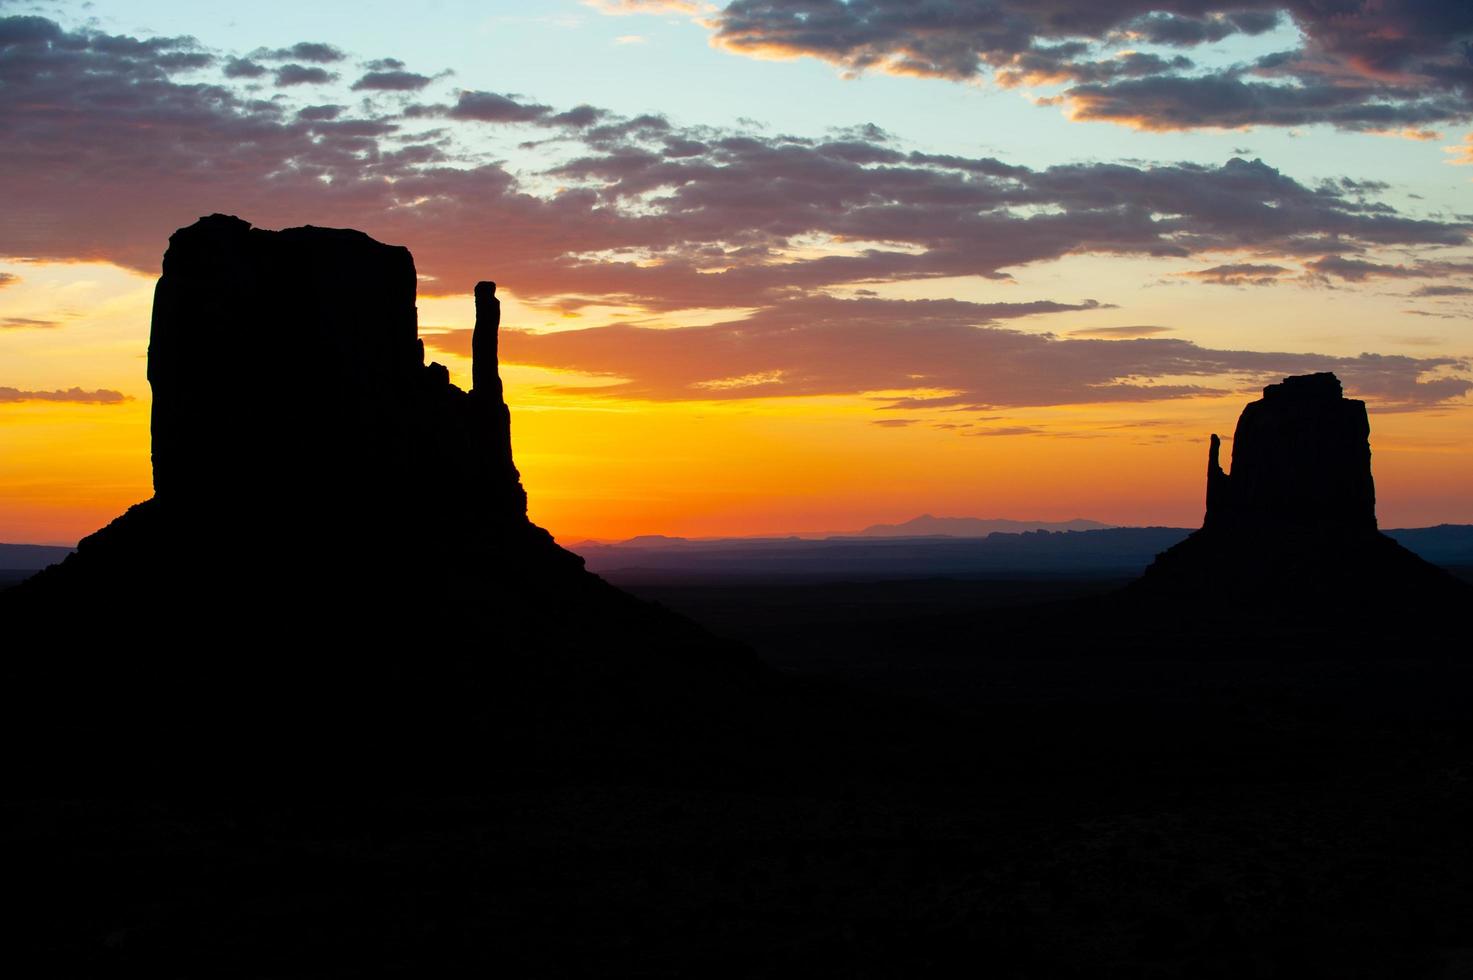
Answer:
(848, 286)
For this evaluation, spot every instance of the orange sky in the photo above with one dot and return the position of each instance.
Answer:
(865, 281)
(610, 468)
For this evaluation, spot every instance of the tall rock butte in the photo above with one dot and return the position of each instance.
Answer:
(1290, 532)
(337, 560)
(291, 396)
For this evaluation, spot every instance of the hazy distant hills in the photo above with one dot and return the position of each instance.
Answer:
(1450, 545)
(927, 526)
(880, 552)
(30, 557)
(1102, 551)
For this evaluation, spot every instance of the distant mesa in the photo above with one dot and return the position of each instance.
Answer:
(1290, 532)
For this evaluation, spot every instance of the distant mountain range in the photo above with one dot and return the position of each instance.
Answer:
(1113, 552)
(927, 526)
(883, 551)
(30, 557)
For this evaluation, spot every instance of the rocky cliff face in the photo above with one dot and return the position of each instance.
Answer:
(291, 394)
(1290, 533)
(1301, 459)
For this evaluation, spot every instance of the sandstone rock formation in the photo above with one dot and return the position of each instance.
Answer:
(291, 393)
(1290, 533)
(1301, 459)
(293, 409)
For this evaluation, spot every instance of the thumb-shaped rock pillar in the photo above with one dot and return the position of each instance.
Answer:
(485, 374)
(487, 397)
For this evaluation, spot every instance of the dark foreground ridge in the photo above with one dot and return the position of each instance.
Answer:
(435, 745)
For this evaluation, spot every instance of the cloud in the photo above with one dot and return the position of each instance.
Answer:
(1008, 430)
(491, 107)
(646, 212)
(110, 144)
(1443, 291)
(8, 279)
(102, 396)
(1239, 274)
(244, 68)
(391, 81)
(1228, 101)
(25, 323)
(1360, 270)
(894, 423)
(294, 74)
(1366, 66)
(948, 353)
(315, 51)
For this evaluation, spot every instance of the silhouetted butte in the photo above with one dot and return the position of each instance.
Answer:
(431, 625)
(1290, 533)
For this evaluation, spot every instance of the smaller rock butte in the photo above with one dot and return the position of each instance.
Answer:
(1301, 458)
(1290, 533)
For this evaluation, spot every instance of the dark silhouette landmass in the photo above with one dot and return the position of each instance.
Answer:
(433, 744)
(428, 616)
(1290, 534)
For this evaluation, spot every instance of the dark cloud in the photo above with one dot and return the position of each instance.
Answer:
(1360, 270)
(314, 51)
(27, 323)
(102, 396)
(579, 116)
(392, 81)
(106, 149)
(244, 68)
(894, 423)
(384, 64)
(1365, 64)
(1443, 291)
(494, 108)
(8, 279)
(1239, 274)
(648, 213)
(1186, 31)
(1227, 100)
(319, 113)
(294, 74)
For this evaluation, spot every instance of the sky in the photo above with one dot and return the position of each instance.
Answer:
(777, 266)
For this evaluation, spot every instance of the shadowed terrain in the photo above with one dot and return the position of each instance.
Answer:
(413, 752)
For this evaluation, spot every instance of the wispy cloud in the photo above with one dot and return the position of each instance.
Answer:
(1239, 274)
(627, 7)
(1119, 333)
